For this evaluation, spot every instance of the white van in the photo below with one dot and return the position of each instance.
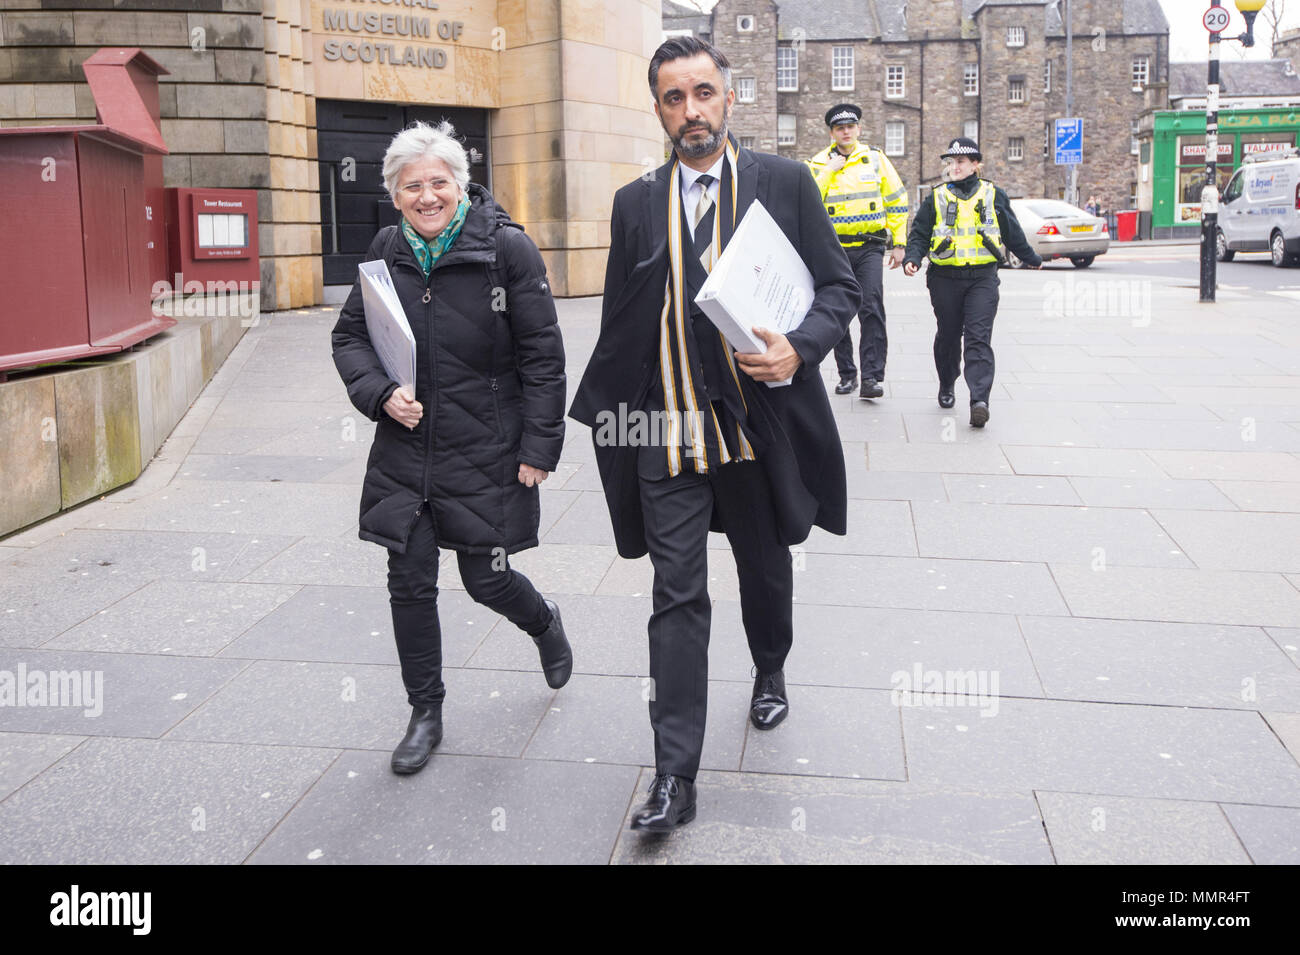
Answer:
(1260, 210)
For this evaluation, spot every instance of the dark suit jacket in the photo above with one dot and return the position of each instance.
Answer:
(792, 428)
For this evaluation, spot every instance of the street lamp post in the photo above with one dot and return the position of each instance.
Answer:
(1072, 182)
(1210, 193)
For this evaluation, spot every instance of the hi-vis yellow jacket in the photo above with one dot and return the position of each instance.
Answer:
(963, 226)
(864, 198)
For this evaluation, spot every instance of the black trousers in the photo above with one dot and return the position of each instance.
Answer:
(964, 309)
(868, 269)
(413, 598)
(677, 513)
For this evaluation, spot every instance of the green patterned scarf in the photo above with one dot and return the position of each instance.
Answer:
(427, 251)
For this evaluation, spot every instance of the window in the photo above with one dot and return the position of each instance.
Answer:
(746, 142)
(1047, 76)
(1016, 89)
(1133, 145)
(785, 127)
(745, 86)
(894, 138)
(1015, 36)
(1132, 195)
(841, 67)
(1016, 148)
(1047, 139)
(894, 85)
(745, 23)
(787, 69)
(971, 129)
(1141, 72)
(970, 79)
(1234, 188)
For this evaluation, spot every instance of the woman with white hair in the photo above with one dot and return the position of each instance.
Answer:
(457, 464)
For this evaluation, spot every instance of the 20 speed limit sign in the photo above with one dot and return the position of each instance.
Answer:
(1216, 19)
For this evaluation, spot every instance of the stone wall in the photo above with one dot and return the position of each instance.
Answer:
(1287, 46)
(1002, 120)
(74, 432)
(935, 109)
(1105, 99)
(575, 124)
(291, 263)
(752, 54)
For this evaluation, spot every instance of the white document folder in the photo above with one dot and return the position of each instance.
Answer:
(390, 332)
(759, 280)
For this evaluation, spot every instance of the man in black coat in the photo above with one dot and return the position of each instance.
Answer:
(761, 463)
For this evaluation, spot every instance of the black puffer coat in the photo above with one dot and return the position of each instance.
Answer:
(491, 383)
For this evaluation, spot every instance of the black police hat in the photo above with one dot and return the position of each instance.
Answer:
(962, 146)
(843, 113)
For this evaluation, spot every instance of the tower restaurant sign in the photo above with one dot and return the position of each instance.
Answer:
(368, 30)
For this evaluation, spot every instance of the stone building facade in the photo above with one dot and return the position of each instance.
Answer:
(1287, 47)
(560, 87)
(924, 71)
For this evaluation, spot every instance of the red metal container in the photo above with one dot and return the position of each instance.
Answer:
(75, 243)
(1126, 225)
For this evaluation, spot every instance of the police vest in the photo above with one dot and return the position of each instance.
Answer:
(960, 223)
(854, 201)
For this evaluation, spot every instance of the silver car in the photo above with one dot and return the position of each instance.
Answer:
(1058, 230)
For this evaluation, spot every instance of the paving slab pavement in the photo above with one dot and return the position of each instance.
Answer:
(1068, 638)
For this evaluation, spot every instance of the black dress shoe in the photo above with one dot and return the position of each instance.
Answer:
(871, 389)
(769, 705)
(671, 804)
(979, 414)
(847, 384)
(554, 650)
(422, 734)
(946, 398)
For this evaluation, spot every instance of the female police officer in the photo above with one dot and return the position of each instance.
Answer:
(965, 230)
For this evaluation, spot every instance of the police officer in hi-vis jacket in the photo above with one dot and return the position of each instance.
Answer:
(965, 229)
(867, 203)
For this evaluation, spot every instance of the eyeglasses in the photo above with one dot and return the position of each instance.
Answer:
(417, 188)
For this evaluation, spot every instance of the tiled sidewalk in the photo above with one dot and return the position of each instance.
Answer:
(1114, 562)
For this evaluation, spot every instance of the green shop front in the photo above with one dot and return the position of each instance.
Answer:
(1171, 158)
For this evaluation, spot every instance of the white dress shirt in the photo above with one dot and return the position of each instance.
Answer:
(691, 195)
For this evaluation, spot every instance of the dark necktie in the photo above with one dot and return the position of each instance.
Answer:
(703, 225)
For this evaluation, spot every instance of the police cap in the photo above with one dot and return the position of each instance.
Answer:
(843, 113)
(962, 146)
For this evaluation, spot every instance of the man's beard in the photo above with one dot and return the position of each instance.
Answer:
(707, 146)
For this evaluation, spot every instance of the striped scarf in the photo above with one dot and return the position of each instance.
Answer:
(428, 251)
(704, 443)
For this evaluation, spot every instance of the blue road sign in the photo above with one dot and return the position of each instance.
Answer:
(1069, 142)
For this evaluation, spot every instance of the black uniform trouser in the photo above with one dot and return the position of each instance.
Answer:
(677, 511)
(413, 598)
(868, 269)
(964, 308)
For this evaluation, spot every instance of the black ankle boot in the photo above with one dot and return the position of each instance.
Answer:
(423, 733)
(554, 650)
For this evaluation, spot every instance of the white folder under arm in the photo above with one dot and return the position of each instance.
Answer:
(390, 332)
(759, 280)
